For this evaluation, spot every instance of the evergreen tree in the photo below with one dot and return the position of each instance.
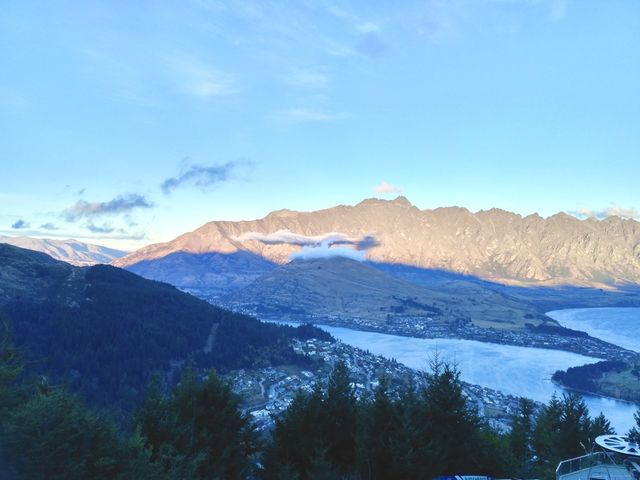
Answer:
(521, 436)
(575, 426)
(321, 468)
(565, 430)
(54, 436)
(322, 421)
(296, 436)
(377, 433)
(199, 432)
(634, 433)
(450, 426)
(340, 419)
(600, 426)
(546, 437)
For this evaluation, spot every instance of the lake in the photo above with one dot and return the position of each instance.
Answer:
(620, 326)
(513, 370)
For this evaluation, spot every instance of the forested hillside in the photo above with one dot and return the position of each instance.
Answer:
(105, 330)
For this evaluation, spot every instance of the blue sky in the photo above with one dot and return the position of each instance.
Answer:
(126, 123)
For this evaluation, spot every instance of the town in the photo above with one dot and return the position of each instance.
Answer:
(266, 392)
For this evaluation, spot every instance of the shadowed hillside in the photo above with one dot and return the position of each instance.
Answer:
(105, 330)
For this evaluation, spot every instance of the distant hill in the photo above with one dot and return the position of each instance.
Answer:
(211, 274)
(493, 245)
(106, 330)
(339, 287)
(70, 251)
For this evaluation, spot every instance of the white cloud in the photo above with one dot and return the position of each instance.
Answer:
(291, 238)
(326, 251)
(385, 187)
(613, 211)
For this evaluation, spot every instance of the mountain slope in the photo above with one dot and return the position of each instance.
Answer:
(70, 251)
(343, 288)
(210, 273)
(107, 330)
(494, 244)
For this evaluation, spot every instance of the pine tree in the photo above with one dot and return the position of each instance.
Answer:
(54, 436)
(340, 419)
(199, 432)
(634, 433)
(451, 425)
(546, 437)
(377, 432)
(521, 435)
(574, 435)
(600, 426)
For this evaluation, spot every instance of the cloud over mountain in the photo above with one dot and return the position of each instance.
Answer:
(607, 212)
(385, 187)
(326, 240)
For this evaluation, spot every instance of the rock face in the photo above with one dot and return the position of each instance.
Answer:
(494, 244)
(70, 251)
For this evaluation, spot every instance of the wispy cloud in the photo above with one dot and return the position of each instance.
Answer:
(120, 204)
(20, 224)
(370, 42)
(197, 79)
(49, 226)
(385, 187)
(301, 115)
(613, 211)
(355, 21)
(203, 176)
(104, 228)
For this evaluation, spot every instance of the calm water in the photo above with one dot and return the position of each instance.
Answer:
(514, 370)
(620, 326)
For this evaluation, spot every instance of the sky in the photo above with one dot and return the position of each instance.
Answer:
(128, 123)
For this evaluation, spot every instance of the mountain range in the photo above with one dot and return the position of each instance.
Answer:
(70, 251)
(494, 245)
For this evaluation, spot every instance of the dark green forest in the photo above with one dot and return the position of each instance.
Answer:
(103, 330)
(197, 430)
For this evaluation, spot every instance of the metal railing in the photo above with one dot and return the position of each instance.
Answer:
(581, 463)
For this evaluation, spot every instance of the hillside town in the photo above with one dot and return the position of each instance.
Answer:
(269, 391)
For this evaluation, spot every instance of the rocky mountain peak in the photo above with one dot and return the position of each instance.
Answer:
(494, 244)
